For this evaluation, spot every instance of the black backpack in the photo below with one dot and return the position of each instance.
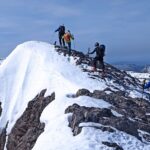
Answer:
(103, 47)
(101, 51)
(62, 29)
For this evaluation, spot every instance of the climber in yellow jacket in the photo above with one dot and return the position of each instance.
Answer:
(67, 38)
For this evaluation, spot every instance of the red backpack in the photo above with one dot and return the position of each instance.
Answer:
(67, 37)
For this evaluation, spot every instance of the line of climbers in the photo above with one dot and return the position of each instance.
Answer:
(66, 37)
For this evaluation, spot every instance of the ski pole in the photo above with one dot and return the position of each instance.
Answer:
(74, 44)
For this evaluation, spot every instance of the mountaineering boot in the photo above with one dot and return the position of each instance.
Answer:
(103, 74)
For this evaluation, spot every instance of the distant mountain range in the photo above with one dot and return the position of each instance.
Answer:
(133, 67)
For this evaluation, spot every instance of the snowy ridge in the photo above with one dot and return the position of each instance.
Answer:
(27, 69)
(34, 66)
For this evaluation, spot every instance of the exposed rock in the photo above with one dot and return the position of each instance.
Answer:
(66, 52)
(0, 109)
(127, 106)
(3, 137)
(28, 127)
(132, 110)
(114, 145)
(146, 137)
(103, 128)
(103, 116)
(83, 92)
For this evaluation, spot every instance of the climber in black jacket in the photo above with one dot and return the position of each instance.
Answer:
(61, 32)
(100, 53)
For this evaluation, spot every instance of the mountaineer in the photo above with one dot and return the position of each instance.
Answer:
(61, 32)
(100, 53)
(67, 38)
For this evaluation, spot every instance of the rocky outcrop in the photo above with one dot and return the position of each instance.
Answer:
(83, 92)
(0, 109)
(118, 77)
(123, 104)
(133, 113)
(2, 133)
(3, 137)
(102, 116)
(28, 127)
(114, 145)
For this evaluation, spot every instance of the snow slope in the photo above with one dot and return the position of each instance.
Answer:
(1, 60)
(139, 75)
(34, 66)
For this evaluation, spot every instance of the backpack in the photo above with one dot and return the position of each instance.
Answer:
(62, 29)
(67, 37)
(101, 51)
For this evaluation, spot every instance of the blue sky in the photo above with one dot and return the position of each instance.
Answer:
(122, 25)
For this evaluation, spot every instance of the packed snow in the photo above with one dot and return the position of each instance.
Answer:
(34, 66)
(140, 76)
(1, 60)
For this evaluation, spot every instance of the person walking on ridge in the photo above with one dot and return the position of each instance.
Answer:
(68, 37)
(61, 32)
(100, 53)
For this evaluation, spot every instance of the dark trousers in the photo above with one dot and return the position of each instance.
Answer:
(100, 59)
(69, 48)
(61, 40)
